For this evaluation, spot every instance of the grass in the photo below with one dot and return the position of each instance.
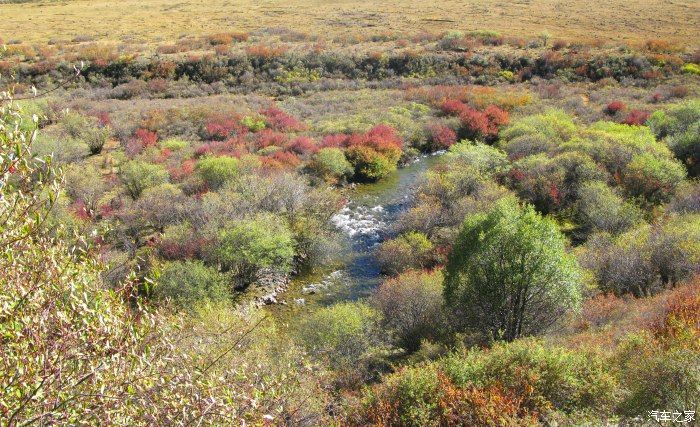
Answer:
(155, 21)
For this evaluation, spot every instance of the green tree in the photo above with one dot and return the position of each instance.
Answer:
(509, 274)
(250, 245)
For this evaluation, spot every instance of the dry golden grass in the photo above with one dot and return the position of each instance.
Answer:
(152, 21)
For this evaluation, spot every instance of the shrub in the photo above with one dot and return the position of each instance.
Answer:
(247, 246)
(680, 128)
(331, 165)
(368, 164)
(653, 178)
(409, 250)
(411, 307)
(600, 209)
(345, 335)
(646, 365)
(278, 120)
(509, 274)
(542, 377)
(615, 107)
(189, 283)
(691, 69)
(440, 137)
(137, 175)
(636, 118)
(645, 259)
(217, 171)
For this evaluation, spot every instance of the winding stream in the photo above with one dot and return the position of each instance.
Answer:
(365, 222)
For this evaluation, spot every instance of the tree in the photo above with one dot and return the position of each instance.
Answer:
(509, 274)
(411, 307)
(250, 245)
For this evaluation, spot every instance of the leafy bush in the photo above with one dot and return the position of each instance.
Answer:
(190, 283)
(137, 175)
(409, 250)
(247, 246)
(509, 274)
(368, 164)
(345, 335)
(645, 259)
(599, 208)
(331, 165)
(411, 307)
(653, 178)
(217, 171)
(680, 127)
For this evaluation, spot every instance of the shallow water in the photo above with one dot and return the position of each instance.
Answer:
(365, 222)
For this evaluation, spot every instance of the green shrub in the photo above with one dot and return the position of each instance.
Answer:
(245, 247)
(345, 335)
(137, 175)
(599, 208)
(188, 283)
(653, 178)
(174, 144)
(254, 124)
(369, 164)
(544, 376)
(409, 250)
(331, 165)
(691, 69)
(411, 307)
(217, 171)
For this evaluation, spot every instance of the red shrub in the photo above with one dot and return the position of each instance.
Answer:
(335, 140)
(183, 171)
(441, 137)
(474, 123)
(636, 117)
(221, 128)
(281, 121)
(382, 138)
(497, 118)
(453, 107)
(302, 145)
(614, 107)
(80, 210)
(268, 137)
(145, 137)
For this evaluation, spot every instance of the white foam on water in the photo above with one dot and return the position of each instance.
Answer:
(360, 221)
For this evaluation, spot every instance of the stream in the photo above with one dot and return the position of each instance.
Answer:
(364, 222)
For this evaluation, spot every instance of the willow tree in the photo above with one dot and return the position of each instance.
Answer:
(509, 274)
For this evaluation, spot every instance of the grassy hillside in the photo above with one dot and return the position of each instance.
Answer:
(157, 20)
